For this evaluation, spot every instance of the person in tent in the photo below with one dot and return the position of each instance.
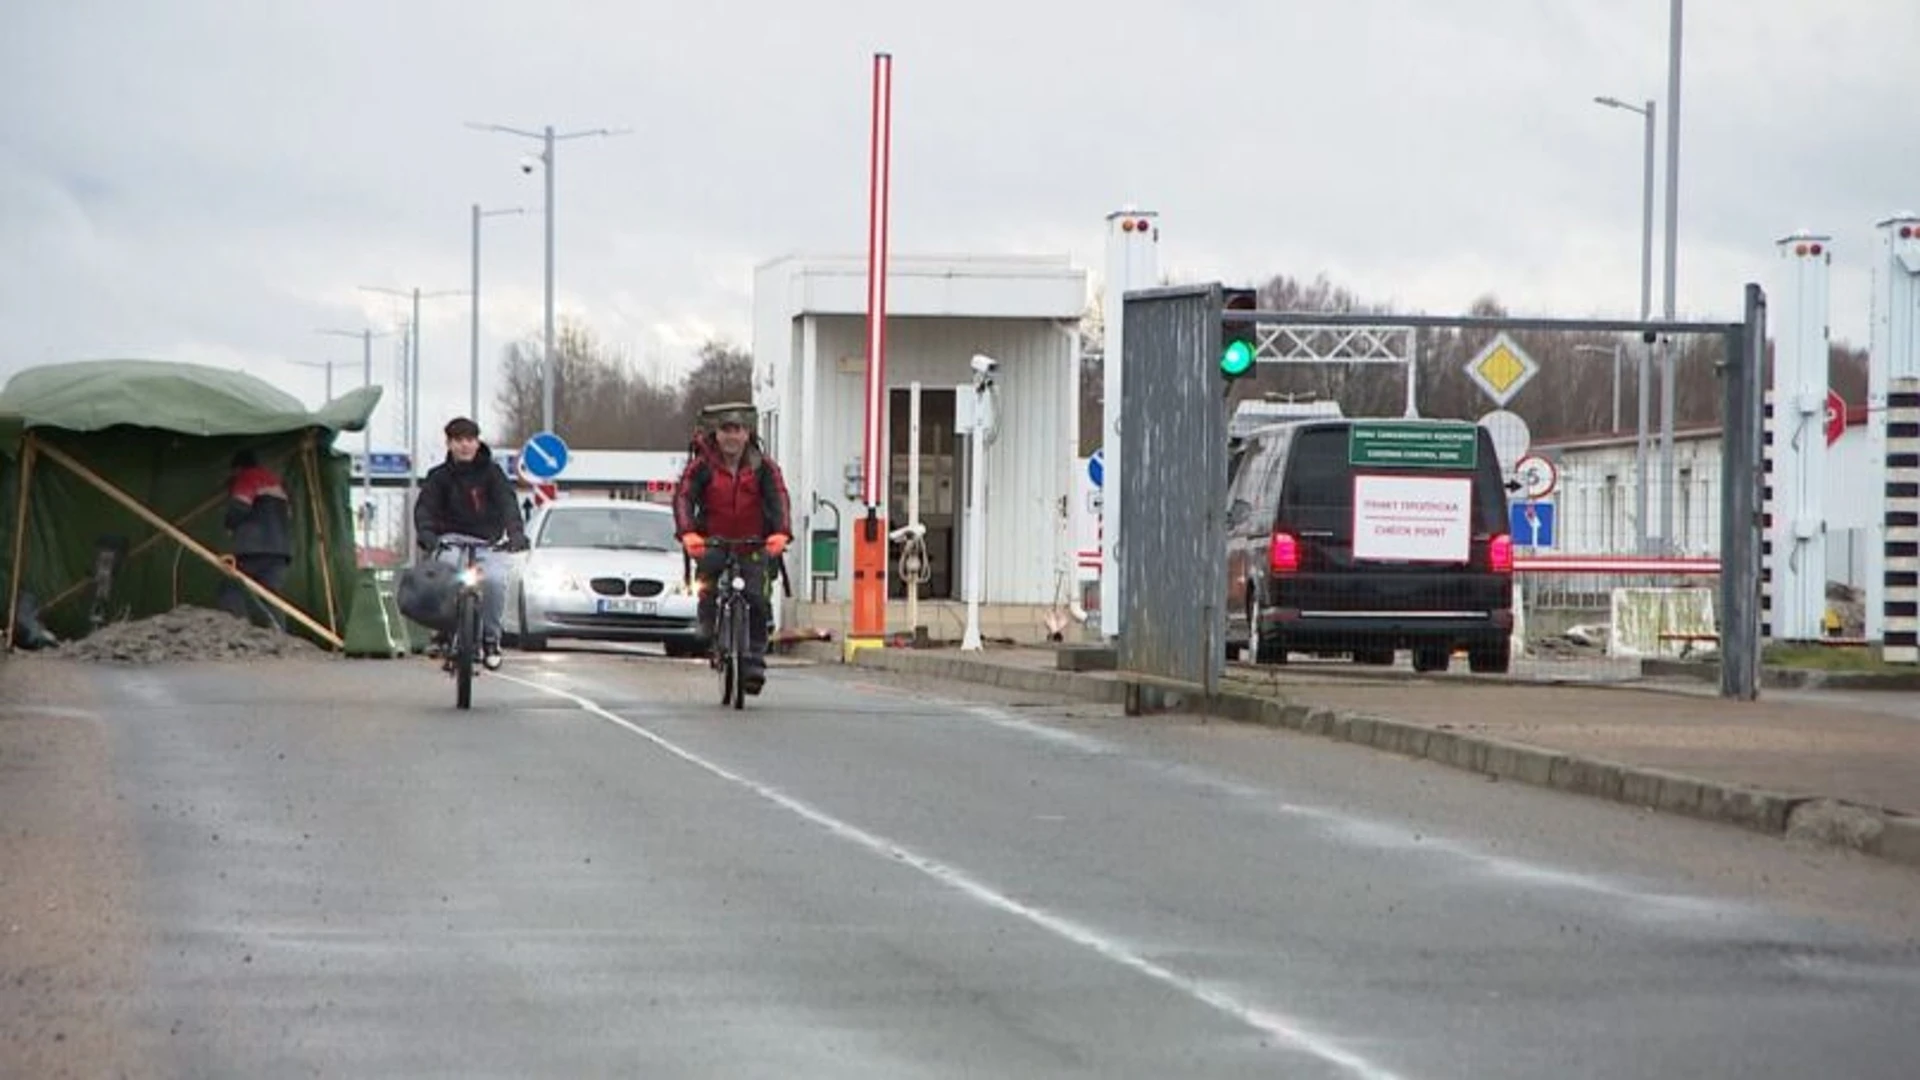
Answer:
(260, 519)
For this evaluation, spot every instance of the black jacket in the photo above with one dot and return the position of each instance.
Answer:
(472, 499)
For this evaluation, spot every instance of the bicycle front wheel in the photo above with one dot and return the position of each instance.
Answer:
(466, 642)
(737, 647)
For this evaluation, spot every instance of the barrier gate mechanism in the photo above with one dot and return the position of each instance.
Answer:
(1174, 430)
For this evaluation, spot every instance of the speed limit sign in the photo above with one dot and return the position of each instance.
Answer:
(1537, 476)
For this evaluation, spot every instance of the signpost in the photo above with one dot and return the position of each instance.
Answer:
(1836, 416)
(1531, 524)
(1537, 476)
(1501, 369)
(382, 463)
(544, 457)
(540, 462)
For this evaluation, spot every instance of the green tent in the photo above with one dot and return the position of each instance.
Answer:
(133, 456)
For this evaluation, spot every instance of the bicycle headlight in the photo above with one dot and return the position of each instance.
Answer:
(470, 576)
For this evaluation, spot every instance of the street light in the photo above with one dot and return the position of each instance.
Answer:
(366, 336)
(1615, 353)
(328, 365)
(1667, 475)
(547, 139)
(1648, 112)
(412, 414)
(473, 378)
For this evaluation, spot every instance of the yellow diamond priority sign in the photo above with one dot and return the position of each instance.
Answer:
(1501, 369)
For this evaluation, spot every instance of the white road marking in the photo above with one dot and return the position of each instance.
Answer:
(1287, 1029)
(1367, 832)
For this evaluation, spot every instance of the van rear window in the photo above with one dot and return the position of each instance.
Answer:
(1319, 492)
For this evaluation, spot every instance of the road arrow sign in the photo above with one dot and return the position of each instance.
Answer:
(544, 457)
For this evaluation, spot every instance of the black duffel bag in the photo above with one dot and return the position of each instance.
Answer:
(429, 594)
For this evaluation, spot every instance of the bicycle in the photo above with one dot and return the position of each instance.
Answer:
(463, 642)
(728, 648)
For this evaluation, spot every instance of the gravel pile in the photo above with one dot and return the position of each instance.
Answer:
(184, 634)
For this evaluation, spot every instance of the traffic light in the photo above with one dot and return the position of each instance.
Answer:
(1237, 338)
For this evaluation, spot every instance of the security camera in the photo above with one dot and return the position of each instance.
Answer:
(984, 365)
(528, 164)
(912, 531)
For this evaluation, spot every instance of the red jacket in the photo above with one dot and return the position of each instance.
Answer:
(713, 500)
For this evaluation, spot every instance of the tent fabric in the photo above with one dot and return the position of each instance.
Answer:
(189, 399)
(165, 434)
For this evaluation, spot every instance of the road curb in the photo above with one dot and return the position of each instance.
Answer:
(1783, 678)
(1754, 809)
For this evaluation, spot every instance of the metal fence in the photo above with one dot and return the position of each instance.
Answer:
(1180, 618)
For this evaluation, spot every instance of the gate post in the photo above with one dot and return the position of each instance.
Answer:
(1173, 483)
(1740, 479)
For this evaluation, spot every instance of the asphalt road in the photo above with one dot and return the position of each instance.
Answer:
(599, 871)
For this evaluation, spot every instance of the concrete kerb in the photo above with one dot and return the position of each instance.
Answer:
(1888, 835)
(1783, 678)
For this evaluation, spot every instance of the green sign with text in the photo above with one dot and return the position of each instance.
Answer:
(1426, 446)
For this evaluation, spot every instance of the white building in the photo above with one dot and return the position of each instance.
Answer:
(809, 347)
(1594, 504)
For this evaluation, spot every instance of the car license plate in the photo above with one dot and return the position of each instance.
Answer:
(626, 605)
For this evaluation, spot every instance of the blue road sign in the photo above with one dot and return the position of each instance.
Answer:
(1532, 524)
(1097, 466)
(384, 463)
(544, 456)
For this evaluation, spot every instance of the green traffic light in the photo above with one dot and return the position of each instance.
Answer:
(1236, 360)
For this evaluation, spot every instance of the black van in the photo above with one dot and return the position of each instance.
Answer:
(1362, 536)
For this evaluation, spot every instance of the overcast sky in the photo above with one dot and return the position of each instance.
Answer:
(210, 181)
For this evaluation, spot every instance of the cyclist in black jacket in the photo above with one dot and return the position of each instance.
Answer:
(467, 495)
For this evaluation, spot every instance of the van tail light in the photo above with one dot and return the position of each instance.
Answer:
(1283, 554)
(1500, 554)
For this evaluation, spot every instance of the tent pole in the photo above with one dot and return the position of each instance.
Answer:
(311, 459)
(19, 543)
(265, 594)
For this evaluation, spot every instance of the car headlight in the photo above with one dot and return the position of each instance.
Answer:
(552, 579)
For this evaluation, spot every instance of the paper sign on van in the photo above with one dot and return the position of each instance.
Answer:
(1411, 518)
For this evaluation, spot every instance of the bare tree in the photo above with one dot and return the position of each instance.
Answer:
(722, 372)
(599, 399)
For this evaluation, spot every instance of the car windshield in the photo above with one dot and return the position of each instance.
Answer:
(613, 528)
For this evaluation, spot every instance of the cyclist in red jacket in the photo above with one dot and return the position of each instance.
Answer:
(732, 489)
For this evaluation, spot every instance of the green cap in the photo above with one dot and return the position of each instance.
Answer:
(731, 412)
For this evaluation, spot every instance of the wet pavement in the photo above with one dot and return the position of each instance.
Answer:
(599, 870)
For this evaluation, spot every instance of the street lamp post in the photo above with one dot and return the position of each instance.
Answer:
(1648, 112)
(328, 366)
(473, 377)
(1616, 354)
(547, 138)
(366, 336)
(1667, 378)
(412, 414)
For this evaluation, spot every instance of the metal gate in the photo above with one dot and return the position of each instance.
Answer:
(1174, 435)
